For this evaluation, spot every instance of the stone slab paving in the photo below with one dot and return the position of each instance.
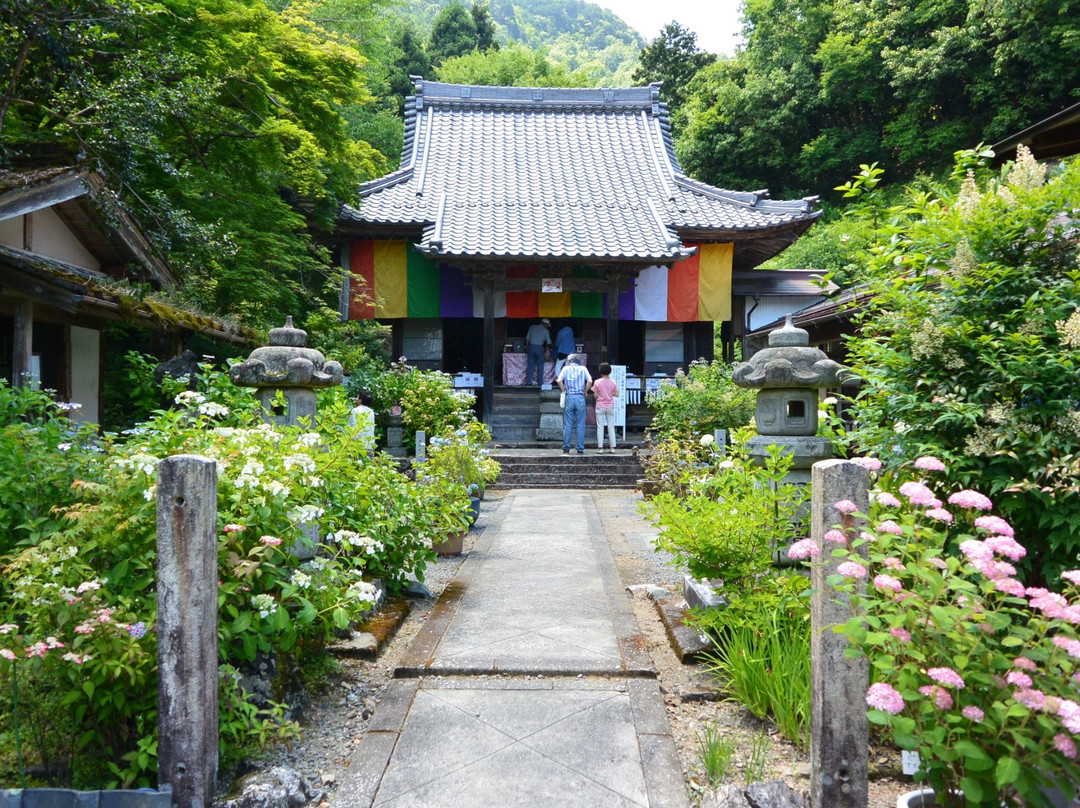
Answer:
(529, 685)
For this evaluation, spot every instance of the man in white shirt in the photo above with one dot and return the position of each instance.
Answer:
(575, 382)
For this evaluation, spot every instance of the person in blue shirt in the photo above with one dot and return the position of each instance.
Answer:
(564, 346)
(575, 381)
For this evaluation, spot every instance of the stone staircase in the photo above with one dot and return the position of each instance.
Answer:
(516, 414)
(550, 468)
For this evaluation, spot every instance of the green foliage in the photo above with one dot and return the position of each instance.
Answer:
(512, 66)
(41, 453)
(972, 669)
(453, 34)
(822, 86)
(461, 458)
(731, 517)
(427, 399)
(717, 753)
(701, 402)
(210, 121)
(83, 585)
(969, 351)
(762, 656)
(673, 58)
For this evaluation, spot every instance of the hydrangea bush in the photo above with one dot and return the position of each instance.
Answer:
(306, 521)
(975, 671)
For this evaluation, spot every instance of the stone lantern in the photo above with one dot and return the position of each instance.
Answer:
(788, 375)
(289, 366)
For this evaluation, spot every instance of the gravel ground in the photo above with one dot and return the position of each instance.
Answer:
(334, 719)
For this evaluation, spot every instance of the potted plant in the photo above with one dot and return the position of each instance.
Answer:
(972, 669)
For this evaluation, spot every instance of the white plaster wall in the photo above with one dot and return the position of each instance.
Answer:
(86, 374)
(773, 307)
(11, 232)
(52, 238)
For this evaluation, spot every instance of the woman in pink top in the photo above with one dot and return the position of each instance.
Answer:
(605, 390)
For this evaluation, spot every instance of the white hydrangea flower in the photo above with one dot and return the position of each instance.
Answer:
(364, 592)
(301, 579)
(306, 513)
(190, 397)
(213, 409)
(265, 604)
(275, 488)
(301, 461)
(310, 439)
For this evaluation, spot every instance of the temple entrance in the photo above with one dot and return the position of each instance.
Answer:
(463, 345)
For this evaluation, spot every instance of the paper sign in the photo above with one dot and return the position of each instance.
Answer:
(551, 285)
(909, 761)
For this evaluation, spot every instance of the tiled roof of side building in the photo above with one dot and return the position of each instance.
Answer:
(531, 174)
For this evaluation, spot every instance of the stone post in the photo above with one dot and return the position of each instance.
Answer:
(839, 729)
(187, 629)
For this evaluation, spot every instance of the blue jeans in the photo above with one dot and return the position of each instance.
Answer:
(573, 417)
(535, 360)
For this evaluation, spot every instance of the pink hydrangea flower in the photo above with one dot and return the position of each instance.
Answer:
(1032, 699)
(889, 526)
(919, 494)
(270, 541)
(995, 524)
(1018, 679)
(893, 563)
(996, 570)
(942, 699)
(1006, 546)
(868, 463)
(940, 563)
(884, 581)
(946, 676)
(928, 463)
(901, 634)
(804, 548)
(7, 653)
(1026, 664)
(1072, 576)
(1010, 586)
(851, 569)
(1071, 646)
(865, 536)
(971, 499)
(1069, 713)
(233, 528)
(884, 697)
(973, 713)
(940, 514)
(846, 506)
(886, 499)
(1064, 744)
(976, 550)
(836, 536)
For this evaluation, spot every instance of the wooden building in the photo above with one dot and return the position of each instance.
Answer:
(513, 204)
(71, 261)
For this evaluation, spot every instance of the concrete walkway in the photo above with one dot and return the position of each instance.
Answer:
(529, 686)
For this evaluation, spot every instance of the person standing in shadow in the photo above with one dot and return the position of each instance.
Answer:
(537, 339)
(564, 346)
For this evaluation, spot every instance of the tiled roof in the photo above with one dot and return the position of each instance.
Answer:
(562, 174)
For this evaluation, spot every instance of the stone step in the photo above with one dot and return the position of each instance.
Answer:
(575, 483)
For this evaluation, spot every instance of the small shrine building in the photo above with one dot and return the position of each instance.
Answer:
(512, 204)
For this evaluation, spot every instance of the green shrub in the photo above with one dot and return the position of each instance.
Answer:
(701, 402)
(970, 349)
(84, 584)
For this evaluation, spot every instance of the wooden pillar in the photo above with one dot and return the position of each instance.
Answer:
(187, 629)
(488, 404)
(613, 319)
(23, 344)
(839, 728)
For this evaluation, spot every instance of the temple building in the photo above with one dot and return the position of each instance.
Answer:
(513, 204)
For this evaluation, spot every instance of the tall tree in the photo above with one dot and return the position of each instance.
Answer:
(211, 121)
(485, 27)
(673, 58)
(452, 34)
(512, 66)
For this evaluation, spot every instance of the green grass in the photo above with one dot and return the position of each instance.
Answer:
(766, 667)
(716, 753)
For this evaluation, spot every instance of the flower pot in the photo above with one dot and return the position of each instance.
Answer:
(452, 545)
(648, 488)
(915, 799)
(474, 503)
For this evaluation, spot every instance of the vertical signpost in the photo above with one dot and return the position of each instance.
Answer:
(618, 375)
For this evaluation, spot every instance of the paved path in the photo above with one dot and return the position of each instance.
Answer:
(529, 686)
